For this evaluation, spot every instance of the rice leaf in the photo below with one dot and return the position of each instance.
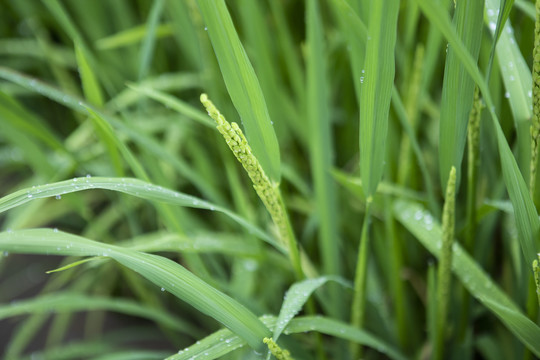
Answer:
(70, 302)
(296, 297)
(73, 264)
(114, 146)
(242, 85)
(178, 105)
(129, 186)
(131, 36)
(201, 242)
(341, 330)
(149, 41)
(376, 91)
(458, 89)
(163, 272)
(176, 81)
(223, 341)
(321, 148)
(516, 77)
(90, 84)
(527, 222)
(213, 346)
(422, 225)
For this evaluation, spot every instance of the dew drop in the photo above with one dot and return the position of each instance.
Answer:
(507, 95)
(58, 197)
(55, 230)
(162, 289)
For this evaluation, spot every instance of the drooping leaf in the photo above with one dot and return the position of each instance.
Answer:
(242, 85)
(165, 273)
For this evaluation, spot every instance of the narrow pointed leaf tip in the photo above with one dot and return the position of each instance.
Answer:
(242, 85)
(296, 297)
(376, 91)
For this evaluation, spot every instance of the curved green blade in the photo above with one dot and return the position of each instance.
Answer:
(165, 273)
(242, 85)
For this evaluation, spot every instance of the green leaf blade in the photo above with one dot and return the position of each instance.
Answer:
(163, 272)
(376, 91)
(242, 85)
(458, 88)
(422, 225)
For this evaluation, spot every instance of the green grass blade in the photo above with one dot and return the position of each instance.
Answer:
(376, 91)
(422, 225)
(342, 330)
(163, 272)
(528, 224)
(114, 146)
(90, 84)
(242, 85)
(131, 36)
(458, 88)
(70, 302)
(516, 77)
(181, 107)
(223, 341)
(73, 264)
(213, 346)
(129, 186)
(296, 297)
(222, 243)
(149, 42)
(321, 147)
(176, 81)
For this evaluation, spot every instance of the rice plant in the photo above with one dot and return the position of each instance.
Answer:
(247, 179)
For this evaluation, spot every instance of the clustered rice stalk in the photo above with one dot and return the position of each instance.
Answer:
(473, 137)
(267, 192)
(535, 123)
(278, 352)
(536, 270)
(445, 263)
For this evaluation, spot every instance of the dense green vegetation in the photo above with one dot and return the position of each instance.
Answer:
(375, 199)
